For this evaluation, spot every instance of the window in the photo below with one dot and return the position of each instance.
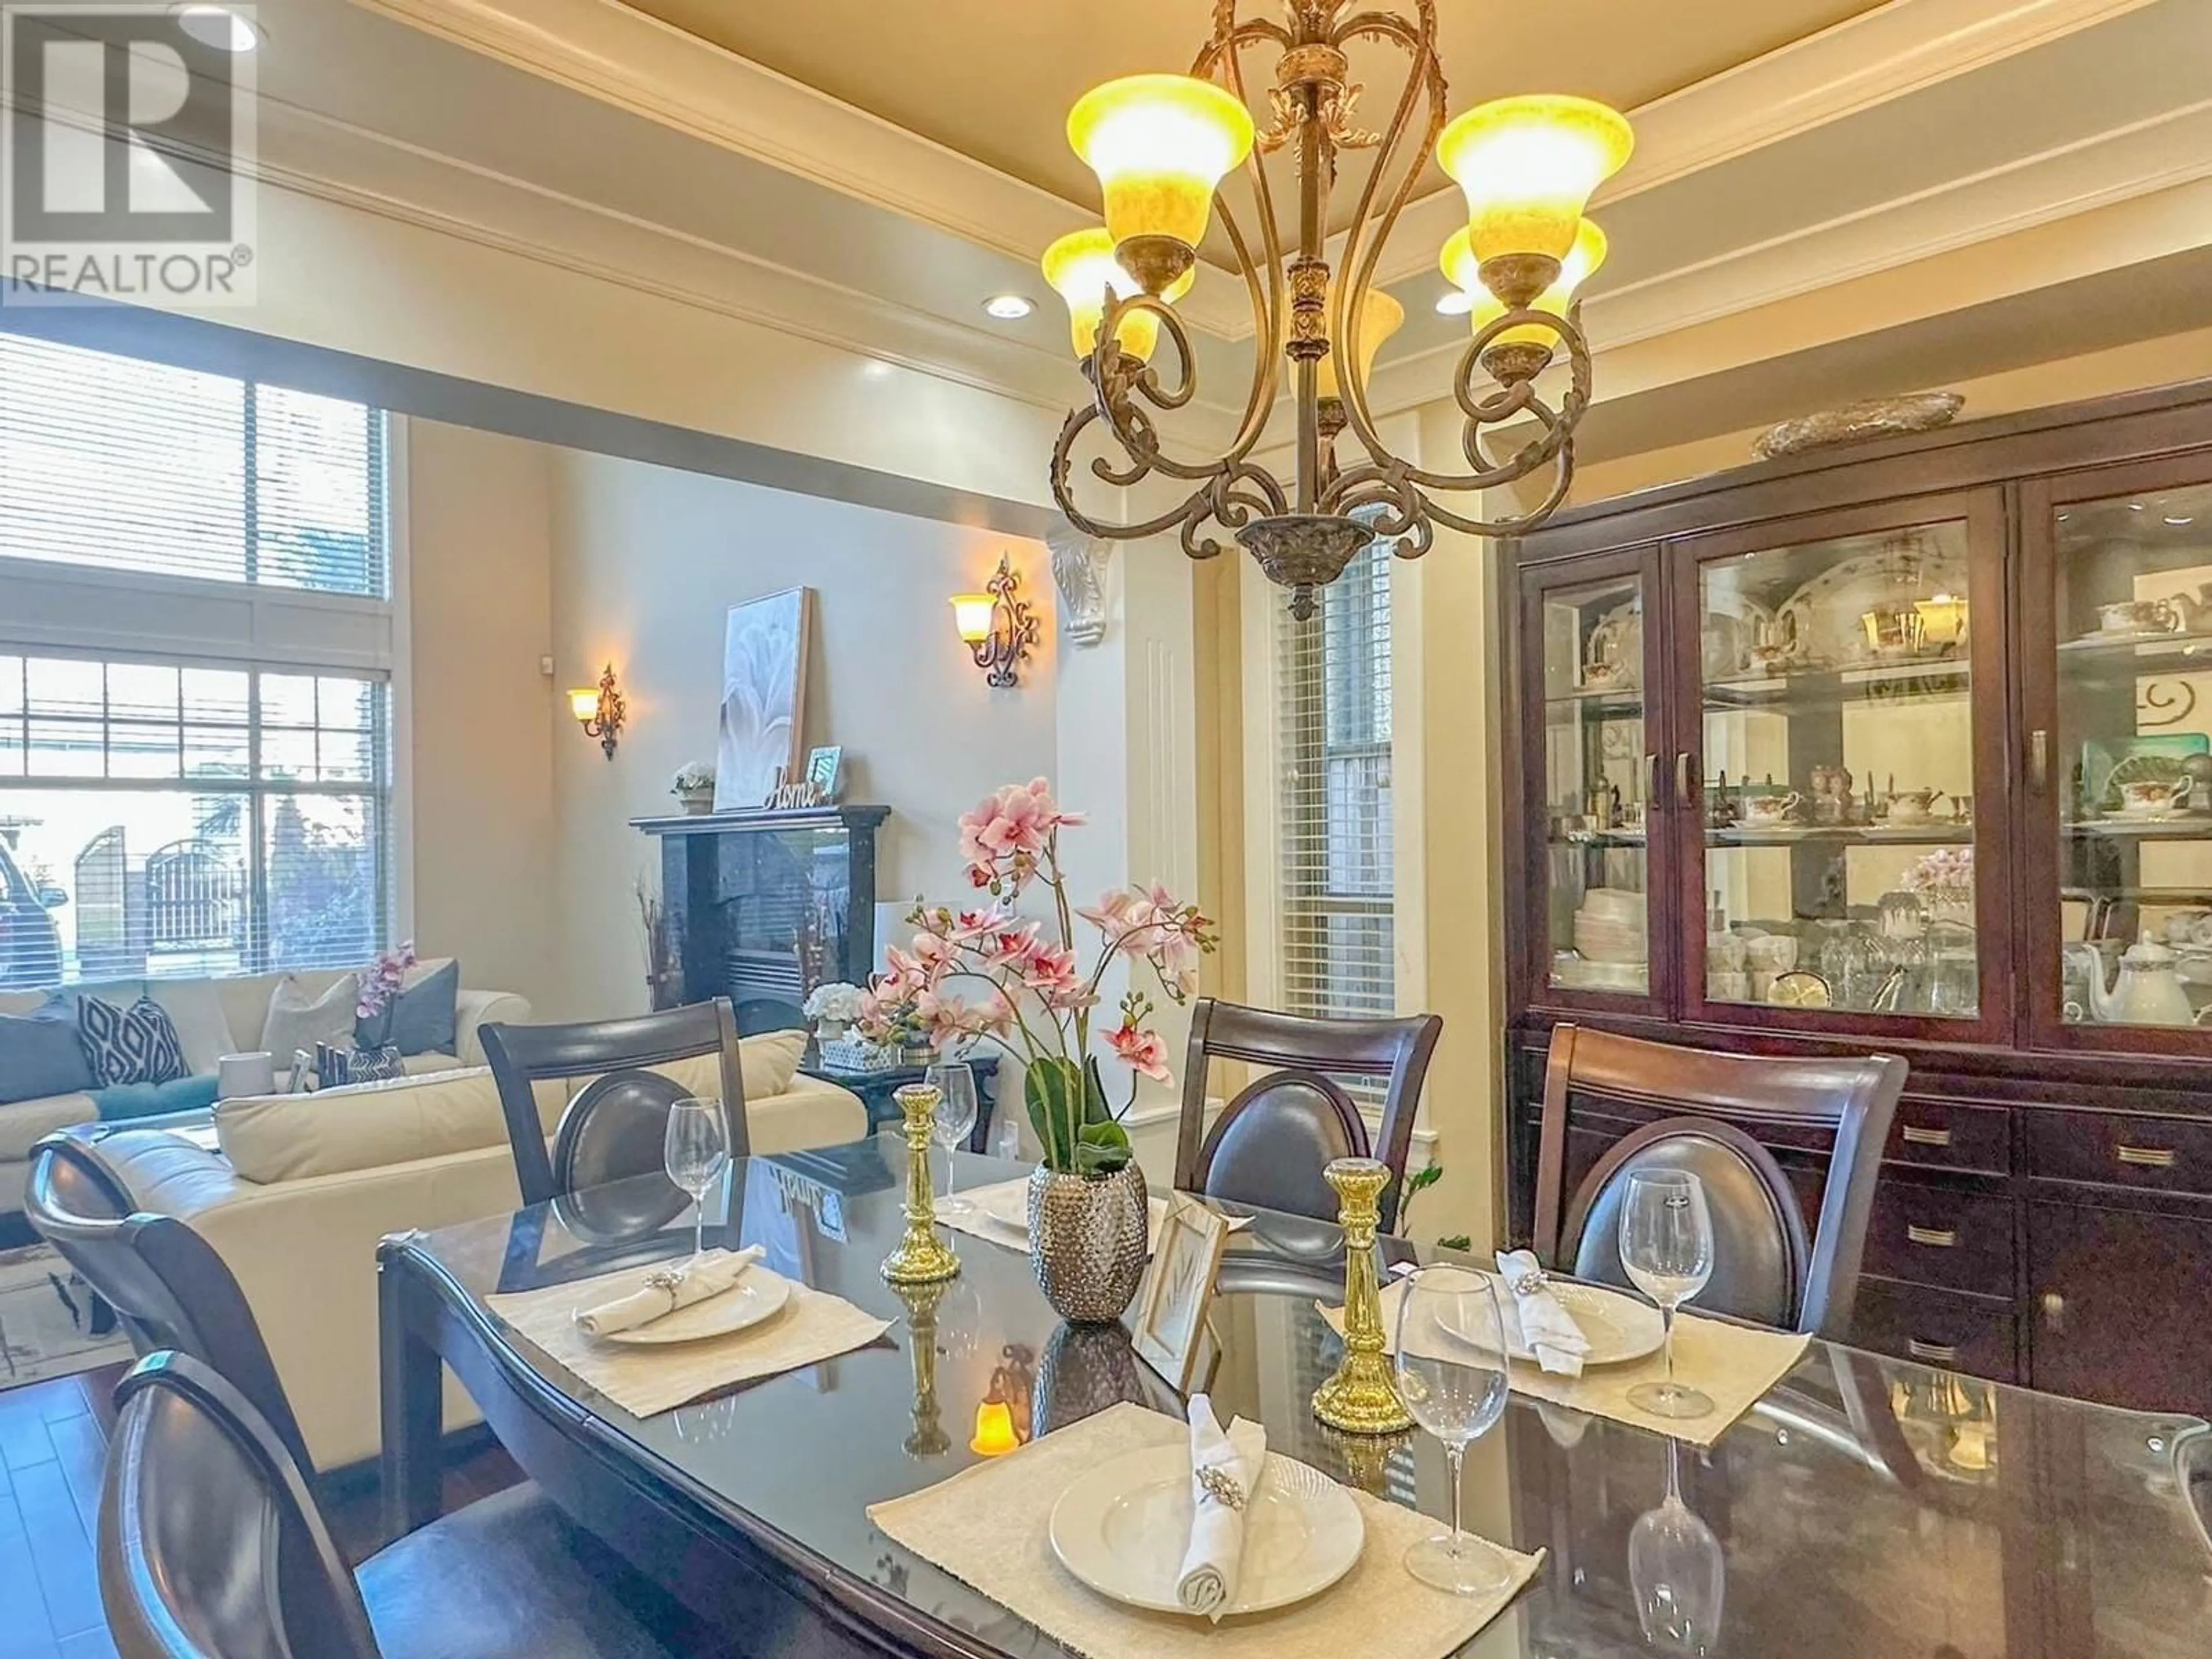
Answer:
(1333, 680)
(188, 786)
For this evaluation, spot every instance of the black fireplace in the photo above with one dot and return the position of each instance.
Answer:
(762, 906)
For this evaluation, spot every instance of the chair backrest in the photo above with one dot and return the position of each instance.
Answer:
(1759, 1250)
(1271, 1143)
(166, 1283)
(1849, 1100)
(210, 1544)
(589, 1153)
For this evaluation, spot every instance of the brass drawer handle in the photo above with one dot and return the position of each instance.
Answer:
(1942, 1238)
(2054, 1310)
(1934, 1353)
(2147, 1158)
(1914, 1135)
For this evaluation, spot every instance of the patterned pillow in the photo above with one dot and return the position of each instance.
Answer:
(137, 1044)
(336, 1068)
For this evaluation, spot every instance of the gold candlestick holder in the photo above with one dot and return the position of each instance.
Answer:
(921, 1257)
(929, 1438)
(1358, 1399)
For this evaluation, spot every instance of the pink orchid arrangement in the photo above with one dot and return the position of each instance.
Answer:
(384, 979)
(989, 973)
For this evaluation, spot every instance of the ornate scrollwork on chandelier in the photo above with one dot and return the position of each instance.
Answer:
(1527, 167)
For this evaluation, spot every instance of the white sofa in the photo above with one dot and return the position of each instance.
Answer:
(245, 1013)
(306, 1185)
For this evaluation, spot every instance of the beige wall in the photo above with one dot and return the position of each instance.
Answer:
(646, 563)
(480, 609)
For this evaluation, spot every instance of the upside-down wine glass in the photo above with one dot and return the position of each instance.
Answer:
(695, 1149)
(1667, 1249)
(954, 1082)
(1676, 1571)
(1452, 1370)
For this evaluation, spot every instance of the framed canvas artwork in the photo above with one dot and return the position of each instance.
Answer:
(764, 697)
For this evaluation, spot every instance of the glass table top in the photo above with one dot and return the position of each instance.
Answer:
(1880, 1508)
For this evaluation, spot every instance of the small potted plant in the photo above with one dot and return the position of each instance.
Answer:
(1087, 1215)
(833, 1007)
(695, 787)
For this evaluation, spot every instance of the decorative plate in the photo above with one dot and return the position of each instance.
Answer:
(1619, 1328)
(1820, 622)
(1122, 1529)
(1876, 417)
(753, 1300)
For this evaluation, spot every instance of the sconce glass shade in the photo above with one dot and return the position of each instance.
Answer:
(994, 1430)
(1527, 167)
(1462, 271)
(584, 702)
(1081, 268)
(1159, 144)
(971, 614)
(1380, 317)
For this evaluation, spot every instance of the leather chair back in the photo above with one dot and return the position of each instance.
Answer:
(1848, 1101)
(606, 1132)
(1760, 1252)
(167, 1285)
(210, 1544)
(1271, 1143)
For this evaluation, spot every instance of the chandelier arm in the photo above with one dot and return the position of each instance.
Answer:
(1363, 252)
(1507, 402)
(1515, 524)
(1064, 497)
(1267, 301)
(1118, 376)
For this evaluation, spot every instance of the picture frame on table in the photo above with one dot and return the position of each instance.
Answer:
(825, 768)
(1171, 1334)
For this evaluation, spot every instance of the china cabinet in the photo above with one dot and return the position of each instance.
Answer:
(1907, 746)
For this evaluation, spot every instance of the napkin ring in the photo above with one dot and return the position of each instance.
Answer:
(667, 1280)
(1221, 1485)
(1529, 1283)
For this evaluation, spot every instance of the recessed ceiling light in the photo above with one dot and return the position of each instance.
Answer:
(1008, 307)
(2179, 519)
(215, 26)
(1455, 302)
(2135, 506)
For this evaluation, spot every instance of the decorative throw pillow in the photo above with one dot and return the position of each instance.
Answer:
(299, 1018)
(419, 1018)
(137, 1044)
(195, 1008)
(40, 1055)
(336, 1068)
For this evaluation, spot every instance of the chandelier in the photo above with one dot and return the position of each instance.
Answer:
(1162, 145)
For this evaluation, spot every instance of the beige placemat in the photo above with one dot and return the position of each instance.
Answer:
(1735, 1364)
(813, 1325)
(989, 1527)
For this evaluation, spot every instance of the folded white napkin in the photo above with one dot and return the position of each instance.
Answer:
(1224, 1475)
(676, 1285)
(1546, 1326)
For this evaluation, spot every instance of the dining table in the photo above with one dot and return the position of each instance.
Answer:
(1861, 1507)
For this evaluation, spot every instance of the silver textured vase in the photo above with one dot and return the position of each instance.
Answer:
(1087, 1242)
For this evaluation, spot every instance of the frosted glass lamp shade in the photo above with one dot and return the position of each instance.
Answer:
(1528, 167)
(1380, 317)
(1082, 269)
(1462, 271)
(1160, 143)
(971, 614)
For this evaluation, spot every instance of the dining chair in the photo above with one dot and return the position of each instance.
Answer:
(211, 1545)
(1766, 1269)
(1270, 1143)
(168, 1287)
(612, 1128)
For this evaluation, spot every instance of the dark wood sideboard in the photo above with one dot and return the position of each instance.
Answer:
(764, 906)
(1976, 638)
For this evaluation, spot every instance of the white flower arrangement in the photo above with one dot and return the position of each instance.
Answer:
(835, 1001)
(697, 774)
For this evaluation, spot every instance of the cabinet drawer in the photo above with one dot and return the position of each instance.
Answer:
(1944, 1135)
(1932, 1234)
(1943, 1328)
(2122, 1149)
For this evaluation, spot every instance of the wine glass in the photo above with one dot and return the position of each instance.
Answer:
(695, 1149)
(1666, 1247)
(1676, 1571)
(954, 1082)
(1451, 1374)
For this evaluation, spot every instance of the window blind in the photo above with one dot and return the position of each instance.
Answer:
(114, 463)
(1333, 681)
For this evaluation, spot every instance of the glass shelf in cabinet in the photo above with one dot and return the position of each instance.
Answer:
(1606, 699)
(2193, 826)
(1874, 835)
(2155, 646)
(1600, 838)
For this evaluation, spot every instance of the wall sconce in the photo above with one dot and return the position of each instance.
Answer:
(1000, 628)
(598, 710)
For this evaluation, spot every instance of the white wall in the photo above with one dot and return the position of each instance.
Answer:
(646, 563)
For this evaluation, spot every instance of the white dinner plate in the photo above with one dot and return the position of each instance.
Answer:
(754, 1298)
(1008, 1206)
(1619, 1328)
(1122, 1530)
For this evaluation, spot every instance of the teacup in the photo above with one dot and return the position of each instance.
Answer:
(2134, 616)
(1772, 953)
(2149, 797)
(1764, 810)
(1913, 806)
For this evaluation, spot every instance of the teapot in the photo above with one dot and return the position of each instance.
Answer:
(1913, 806)
(2148, 992)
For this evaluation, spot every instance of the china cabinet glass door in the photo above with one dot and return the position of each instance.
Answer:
(1839, 761)
(1590, 653)
(2120, 757)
